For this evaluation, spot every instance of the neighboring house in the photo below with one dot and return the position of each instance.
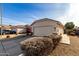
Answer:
(6, 27)
(45, 27)
(19, 29)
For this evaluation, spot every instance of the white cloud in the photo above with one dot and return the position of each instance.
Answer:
(72, 15)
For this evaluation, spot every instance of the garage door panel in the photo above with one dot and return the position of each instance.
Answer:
(43, 31)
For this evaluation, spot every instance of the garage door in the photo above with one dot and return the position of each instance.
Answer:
(43, 31)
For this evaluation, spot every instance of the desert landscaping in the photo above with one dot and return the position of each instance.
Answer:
(46, 39)
(67, 50)
(39, 29)
(63, 49)
(9, 36)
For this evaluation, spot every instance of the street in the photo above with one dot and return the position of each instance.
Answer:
(11, 47)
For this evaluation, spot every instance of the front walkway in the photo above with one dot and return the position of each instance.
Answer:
(65, 39)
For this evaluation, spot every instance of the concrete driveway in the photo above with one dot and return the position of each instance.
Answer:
(11, 47)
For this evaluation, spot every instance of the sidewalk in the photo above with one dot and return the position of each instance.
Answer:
(65, 39)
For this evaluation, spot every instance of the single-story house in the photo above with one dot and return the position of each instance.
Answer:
(45, 27)
(19, 29)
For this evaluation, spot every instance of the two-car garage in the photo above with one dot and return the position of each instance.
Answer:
(43, 30)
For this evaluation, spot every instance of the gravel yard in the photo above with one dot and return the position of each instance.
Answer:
(67, 50)
(10, 36)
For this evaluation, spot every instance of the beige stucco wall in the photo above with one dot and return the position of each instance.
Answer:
(48, 23)
(45, 23)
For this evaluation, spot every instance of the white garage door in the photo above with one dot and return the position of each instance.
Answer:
(43, 31)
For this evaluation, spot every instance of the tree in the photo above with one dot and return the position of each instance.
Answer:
(69, 25)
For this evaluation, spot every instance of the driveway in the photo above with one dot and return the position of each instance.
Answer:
(11, 47)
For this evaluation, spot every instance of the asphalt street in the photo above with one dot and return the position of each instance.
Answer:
(11, 47)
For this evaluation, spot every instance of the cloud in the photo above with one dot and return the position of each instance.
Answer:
(72, 15)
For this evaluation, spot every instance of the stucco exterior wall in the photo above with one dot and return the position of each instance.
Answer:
(55, 27)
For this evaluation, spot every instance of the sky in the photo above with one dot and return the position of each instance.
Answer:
(26, 13)
(72, 15)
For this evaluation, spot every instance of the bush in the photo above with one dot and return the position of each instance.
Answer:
(8, 36)
(40, 46)
(37, 46)
(55, 38)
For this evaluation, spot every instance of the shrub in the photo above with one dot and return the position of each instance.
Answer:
(37, 46)
(8, 36)
(55, 38)
(40, 46)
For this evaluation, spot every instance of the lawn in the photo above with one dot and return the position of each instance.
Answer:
(67, 50)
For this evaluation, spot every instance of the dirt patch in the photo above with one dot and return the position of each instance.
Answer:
(8, 36)
(67, 50)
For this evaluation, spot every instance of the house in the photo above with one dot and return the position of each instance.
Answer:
(19, 29)
(45, 27)
(5, 27)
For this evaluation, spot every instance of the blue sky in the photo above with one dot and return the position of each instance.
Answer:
(26, 13)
